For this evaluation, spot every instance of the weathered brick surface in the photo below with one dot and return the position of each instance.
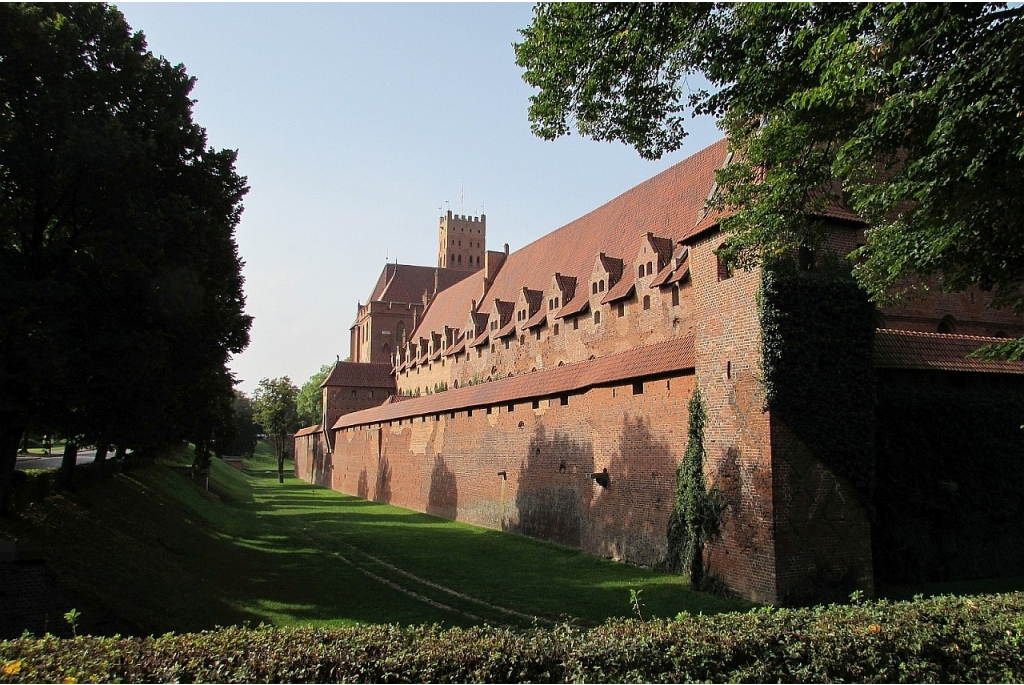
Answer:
(451, 466)
(791, 528)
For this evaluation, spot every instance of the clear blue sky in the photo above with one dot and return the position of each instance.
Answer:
(354, 124)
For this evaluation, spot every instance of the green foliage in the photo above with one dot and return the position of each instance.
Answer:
(119, 272)
(944, 639)
(950, 474)
(310, 401)
(274, 405)
(697, 513)
(914, 109)
(72, 617)
(817, 339)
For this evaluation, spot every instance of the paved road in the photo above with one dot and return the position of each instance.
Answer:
(53, 461)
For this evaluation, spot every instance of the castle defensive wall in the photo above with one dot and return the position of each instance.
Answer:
(546, 393)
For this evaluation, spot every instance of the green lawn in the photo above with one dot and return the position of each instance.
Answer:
(163, 555)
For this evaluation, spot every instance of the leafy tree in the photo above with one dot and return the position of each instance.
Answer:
(310, 402)
(120, 282)
(912, 114)
(240, 439)
(274, 408)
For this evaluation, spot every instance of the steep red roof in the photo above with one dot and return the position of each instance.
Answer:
(651, 360)
(666, 205)
(360, 375)
(896, 349)
(308, 430)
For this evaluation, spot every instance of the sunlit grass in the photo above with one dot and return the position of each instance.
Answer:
(163, 554)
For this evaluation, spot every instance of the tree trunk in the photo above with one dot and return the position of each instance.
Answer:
(102, 447)
(67, 466)
(11, 428)
(280, 458)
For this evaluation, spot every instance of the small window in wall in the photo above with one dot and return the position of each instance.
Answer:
(453, 415)
(536, 404)
(640, 273)
(536, 334)
(620, 309)
(469, 412)
(479, 352)
(353, 394)
(638, 388)
(506, 343)
(556, 329)
(647, 301)
(594, 289)
(489, 409)
(597, 318)
(600, 286)
(371, 394)
(675, 296)
(511, 407)
(563, 400)
(650, 268)
(460, 259)
(575, 323)
(728, 370)
(724, 270)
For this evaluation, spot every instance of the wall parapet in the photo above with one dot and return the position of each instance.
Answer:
(650, 360)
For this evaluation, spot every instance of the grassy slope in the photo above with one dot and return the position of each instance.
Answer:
(164, 555)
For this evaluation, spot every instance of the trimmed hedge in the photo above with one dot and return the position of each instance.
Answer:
(943, 639)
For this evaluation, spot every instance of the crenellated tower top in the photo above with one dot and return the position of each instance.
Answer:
(462, 241)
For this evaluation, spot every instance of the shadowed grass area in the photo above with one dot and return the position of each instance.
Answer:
(162, 554)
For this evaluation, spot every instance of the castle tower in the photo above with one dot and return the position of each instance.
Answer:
(462, 241)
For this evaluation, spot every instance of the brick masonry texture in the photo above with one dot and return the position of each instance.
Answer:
(577, 356)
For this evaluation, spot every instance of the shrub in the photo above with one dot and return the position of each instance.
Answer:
(943, 639)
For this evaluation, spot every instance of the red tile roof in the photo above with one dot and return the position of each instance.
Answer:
(896, 349)
(666, 205)
(620, 291)
(537, 319)
(360, 375)
(308, 430)
(665, 357)
(575, 306)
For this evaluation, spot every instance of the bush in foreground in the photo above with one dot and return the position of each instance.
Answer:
(944, 639)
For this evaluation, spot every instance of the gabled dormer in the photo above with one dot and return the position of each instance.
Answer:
(606, 273)
(502, 318)
(527, 305)
(653, 255)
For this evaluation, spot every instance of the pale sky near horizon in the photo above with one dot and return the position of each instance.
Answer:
(357, 125)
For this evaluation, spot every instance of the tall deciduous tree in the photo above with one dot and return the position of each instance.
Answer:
(120, 282)
(912, 114)
(274, 409)
(310, 402)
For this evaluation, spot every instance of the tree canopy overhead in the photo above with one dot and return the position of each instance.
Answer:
(910, 114)
(120, 281)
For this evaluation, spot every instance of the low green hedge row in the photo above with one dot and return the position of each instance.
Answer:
(944, 639)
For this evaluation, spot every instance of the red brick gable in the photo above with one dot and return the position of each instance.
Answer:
(896, 349)
(651, 360)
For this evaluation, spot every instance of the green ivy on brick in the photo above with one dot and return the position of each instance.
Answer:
(818, 333)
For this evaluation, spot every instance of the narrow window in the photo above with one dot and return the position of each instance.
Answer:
(728, 370)
(511, 407)
(536, 334)
(724, 270)
(353, 394)
(556, 330)
(563, 400)
(647, 301)
(576, 323)
(594, 288)
(597, 318)
(621, 309)
(641, 271)
(460, 259)
(600, 286)
(675, 296)
(506, 343)
(536, 404)
(488, 411)
(638, 388)
(469, 412)
(650, 268)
